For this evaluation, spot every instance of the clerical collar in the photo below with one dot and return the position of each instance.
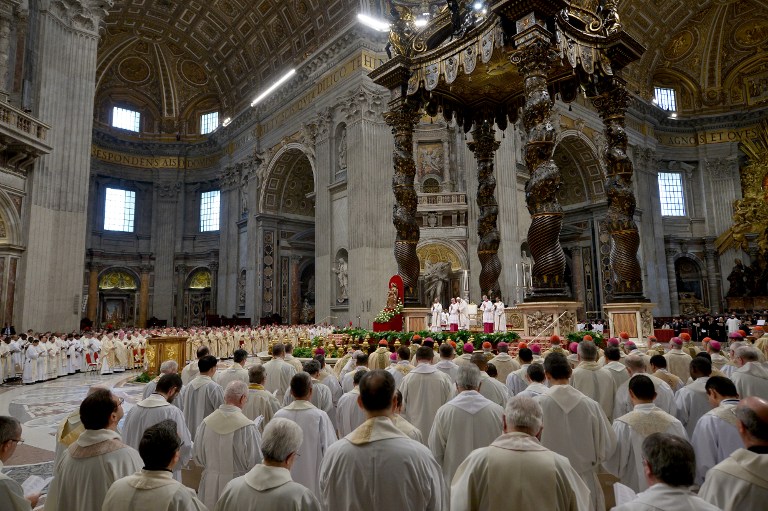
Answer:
(157, 470)
(759, 449)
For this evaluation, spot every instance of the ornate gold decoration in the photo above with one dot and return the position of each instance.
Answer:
(201, 279)
(134, 69)
(116, 279)
(151, 355)
(437, 253)
(537, 321)
(750, 216)
(567, 323)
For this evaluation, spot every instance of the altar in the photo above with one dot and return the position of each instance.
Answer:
(160, 349)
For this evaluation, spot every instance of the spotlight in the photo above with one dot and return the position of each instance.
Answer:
(421, 21)
(478, 6)
(274, 86)
(226, 121)
(381, 26)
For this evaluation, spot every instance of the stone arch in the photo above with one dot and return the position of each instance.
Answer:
(452, 246)
(581, 169)
(121, 269)
(118, 304)
(278, 174)
(11, 222)
(192, 276)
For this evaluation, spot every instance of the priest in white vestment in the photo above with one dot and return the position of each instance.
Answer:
(751, 376)
(486, 306)
(403, 425)
(167, 367)
(499, 316)
(463, 314)
(633, 428)
(153, 487)
(517, 381)
(360, 361)
(425, 389)
(202, 396)
(467, 422)
(504, 363)
(95, 460)
(716, 435)
(191, 370)
(321, 394)
(445, 363)
(377, 466)
(268, 486)
(658, 365)
(482, 481)
(29, 376)
(155, 409)
(453, 316)
(592, 380)
(318, 431)
(678, 362)
(227, 444)
(537, 379)
(691, 401)
(260, 402)
(669, 469)
(576, 426)
(740, 482)
(279, 372)
(665, 396)
(437, 311)
(491, 388)
(235, 372)
(349, 415)
(403, 365)
(379, 359)
(12, 496)
(615, 362)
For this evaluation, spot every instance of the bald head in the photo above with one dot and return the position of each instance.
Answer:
(752, 413)
(635, 364)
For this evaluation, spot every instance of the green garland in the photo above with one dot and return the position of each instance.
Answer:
(597, 337)
(462, 336)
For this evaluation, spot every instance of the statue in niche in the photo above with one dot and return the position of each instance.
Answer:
(435, 278)
(342, 275)
(241, 289)
(737, 279)
(244, 197)
(343, 150)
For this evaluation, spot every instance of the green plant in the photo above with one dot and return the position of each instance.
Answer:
(597, 337)
(386, 315)
(302, 352)
(143, 378)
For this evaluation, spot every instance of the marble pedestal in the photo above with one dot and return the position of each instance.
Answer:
(634, 318)
(544, 319)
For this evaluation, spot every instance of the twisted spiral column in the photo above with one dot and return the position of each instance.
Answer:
(533, 62)
(627, 277)
(484, 145)
(403, 119)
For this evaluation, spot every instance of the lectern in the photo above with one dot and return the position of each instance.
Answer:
(160, 349)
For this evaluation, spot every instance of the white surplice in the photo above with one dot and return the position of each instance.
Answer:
(349, 416)
(151, 411)
(348, 380)
(227, 445)
(357, 472)
(534, 389)
(618, 371)
(408, 429)
(499, 317)
(751, 379)
(715, 437)
(189, 372)
(399, 371)
(665, 397)
(631, 430)
(88, 468)
(662, 497)
(679, 363)
(517, 380)
(200, 399)
(279, 374)
(482, 481)
(739, 483)
(12, 494)
(425, 389)
(151, 489)
(437, 310)
(465, 423)
(576, 427)
(260, 403)
(30, 364)
(596, 383)
(493, 389)
(505, 365)
(234, 373)
(449, 368)
(266, 488)
(691, 403)
(319, 434)
(321, 398)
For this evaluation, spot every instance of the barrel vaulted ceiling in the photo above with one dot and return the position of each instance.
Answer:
(183, 55)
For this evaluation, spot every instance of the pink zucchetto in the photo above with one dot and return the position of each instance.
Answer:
(613, 341)
(393, 357)
(468, 348)
(735, 335)
(536, 349)
(714, 345)
(573, 347)
(630, 344)
(676, 341)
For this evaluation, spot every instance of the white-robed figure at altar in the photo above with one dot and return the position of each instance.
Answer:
(227, 444)
(453, 316)
(499, 316)
(107, 354)
(488, 314)
(437, 311)
(463, 313)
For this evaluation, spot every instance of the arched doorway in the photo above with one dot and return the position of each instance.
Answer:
(197, 297)
(11, 249)
(118, 298)
(691, 288)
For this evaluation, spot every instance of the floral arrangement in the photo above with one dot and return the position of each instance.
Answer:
(386, 315)
(585, 335)
(300, 352)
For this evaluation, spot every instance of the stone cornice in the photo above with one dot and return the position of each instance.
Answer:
(83, 16)
(108, 141)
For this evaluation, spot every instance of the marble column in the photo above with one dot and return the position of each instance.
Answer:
(144, 296)
(214, 267)
(295, 284)
(672, 279)
(181, 277)
(93, 291)
(6, 15)
(163, 236)
(65, 47)
(713, 279)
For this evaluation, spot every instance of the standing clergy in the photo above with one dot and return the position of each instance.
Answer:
(29, 376)
(632, 429)
(318, 432)
(491, 388)
(463, 314)
(741, 481)
(356, 469)
(261, 403)
(360, 361)
(379, 359)
(321, 394)
(592, 380)
(155, 409)
(191, 370)
(153, 487)
(488, 315)
(236, 372)
(480, 483)
(503, 362)
(227, 444)
(425, 389)
(691, 401)
(566, 410)
(677, 360)
(537, 378)
(437, 312)
(499, 316)
(11, 494)
(716, 435)
(349, 415)
(167, 367)
(669, 470)
(95, 460)
(658, 365)
(279, 372)
(516, 380)
(665, 397)
(268, 486)
(446, 365)
(202, 396)
(465, 423)
(616, 365)
(403, 366)
(751, 377)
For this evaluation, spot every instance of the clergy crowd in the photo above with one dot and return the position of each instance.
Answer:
(419, 428)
